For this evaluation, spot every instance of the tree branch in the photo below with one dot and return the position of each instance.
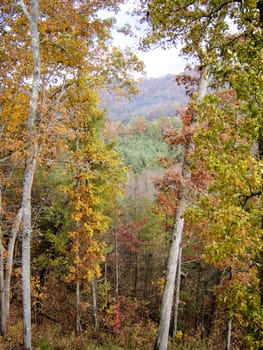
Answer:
(251, 195)
(25, 10)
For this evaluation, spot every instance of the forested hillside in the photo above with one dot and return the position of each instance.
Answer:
(156, 97)
(142, 231)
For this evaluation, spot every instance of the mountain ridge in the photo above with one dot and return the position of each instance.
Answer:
(157, 97)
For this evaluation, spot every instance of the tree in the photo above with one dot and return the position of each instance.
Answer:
(73, 39)
(205, 31)
(30, 167)
(184, 178)
(97, 175)
(230, 204)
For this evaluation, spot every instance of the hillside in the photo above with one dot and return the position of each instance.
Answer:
(157, 97)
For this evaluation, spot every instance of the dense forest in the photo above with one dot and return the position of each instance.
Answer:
(144, 231)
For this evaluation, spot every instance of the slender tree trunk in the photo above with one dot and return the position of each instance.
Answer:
(30, 169)
(198, 298)
(94, 304)
(229, 331)
(2, 295)
(2, 292)
(177, 295)
(167, 299)
(260, 268)
(146, 278)
(6, 266)
(78, 318)
(137, 275)
(260, 151)
(116, 267)
(8, 269)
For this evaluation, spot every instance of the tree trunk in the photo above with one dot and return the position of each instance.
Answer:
(30, 170)
(8, 270)
(146, 278)
(137, 275)
(177, 295)
(167, 299)
(26, 242)
(116, 267)
(229, 331)
(260, 264)
(78, 317)
(2, 294)
(94, 304)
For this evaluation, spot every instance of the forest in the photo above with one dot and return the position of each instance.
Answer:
(143, 231)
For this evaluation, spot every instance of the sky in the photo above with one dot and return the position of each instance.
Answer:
(158, 62)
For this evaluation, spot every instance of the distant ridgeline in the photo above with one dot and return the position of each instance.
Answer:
(157, 97)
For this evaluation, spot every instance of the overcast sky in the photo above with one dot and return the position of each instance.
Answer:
(158, 62)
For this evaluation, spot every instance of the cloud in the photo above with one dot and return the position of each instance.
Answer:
(158, 62)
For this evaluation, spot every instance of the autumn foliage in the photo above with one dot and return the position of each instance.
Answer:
(99, 239)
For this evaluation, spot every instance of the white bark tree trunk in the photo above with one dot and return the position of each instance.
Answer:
(32, 17)
(167, 299)
(229, 331)
(78, 297)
